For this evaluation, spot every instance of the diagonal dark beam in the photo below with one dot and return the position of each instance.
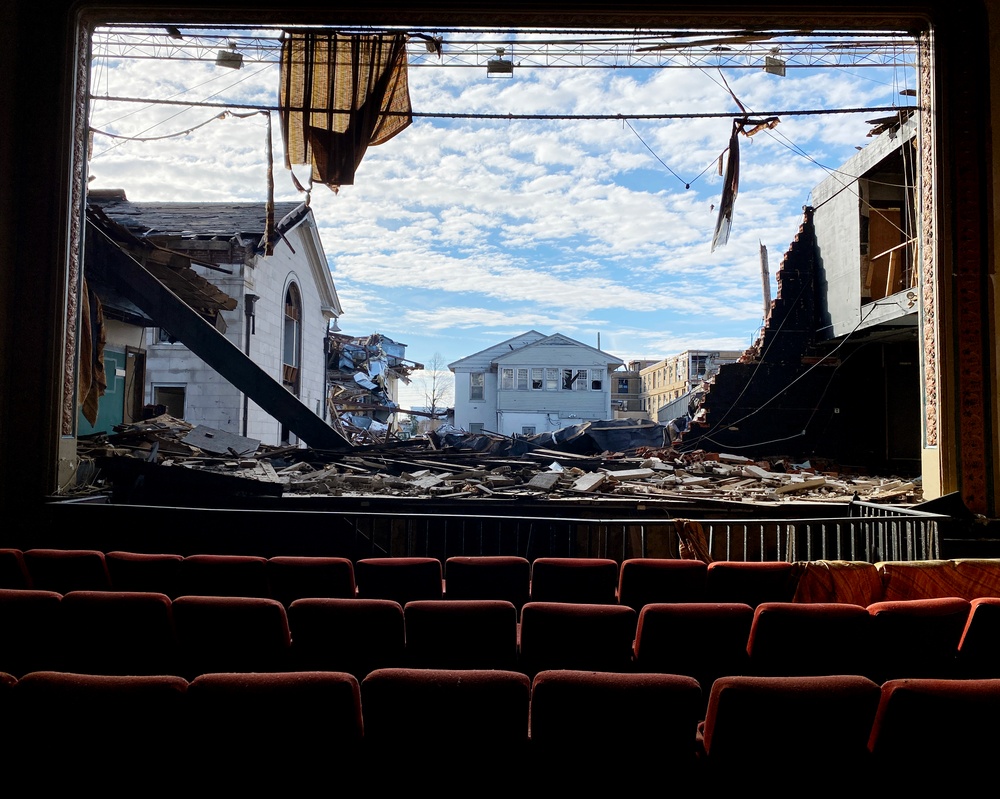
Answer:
(165, 308)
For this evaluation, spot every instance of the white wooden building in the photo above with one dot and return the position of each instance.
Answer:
(533, 383)
(285, 301)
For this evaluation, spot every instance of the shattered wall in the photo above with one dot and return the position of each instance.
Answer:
(854, 401)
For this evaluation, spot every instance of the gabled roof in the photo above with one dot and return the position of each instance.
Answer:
(491, 353)
(558, 339)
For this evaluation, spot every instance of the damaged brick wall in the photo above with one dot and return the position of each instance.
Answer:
(791, 395)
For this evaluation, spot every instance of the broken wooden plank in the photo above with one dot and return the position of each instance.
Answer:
(804, 485)
(752, 470)
(428, 481)
(894, 491)
(545, 481)
(696, 481)
(270, 473)
(629, 474)
(589, 482)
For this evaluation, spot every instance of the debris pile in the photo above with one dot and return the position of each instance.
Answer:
(362, 375)
(452, 464)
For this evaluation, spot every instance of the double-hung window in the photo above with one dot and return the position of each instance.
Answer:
(477, 386)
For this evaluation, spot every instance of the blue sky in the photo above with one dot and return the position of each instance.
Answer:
(459, 233)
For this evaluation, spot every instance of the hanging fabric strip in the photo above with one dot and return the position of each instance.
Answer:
(269, 223)
(730, 187)
(340, 94)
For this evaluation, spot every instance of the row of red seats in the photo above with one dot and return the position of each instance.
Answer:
(127, 632)
(493, 732)
(634, 583)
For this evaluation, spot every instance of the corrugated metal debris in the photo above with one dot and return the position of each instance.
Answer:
(362, 373)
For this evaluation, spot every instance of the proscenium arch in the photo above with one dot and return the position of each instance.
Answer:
(49, 195)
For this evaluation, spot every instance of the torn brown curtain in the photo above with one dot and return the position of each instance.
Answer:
(339, 95)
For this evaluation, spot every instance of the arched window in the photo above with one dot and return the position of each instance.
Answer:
(291, 349)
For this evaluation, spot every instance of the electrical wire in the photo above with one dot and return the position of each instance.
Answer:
(760, 362)
(759, 408)
(687, 183)
(187, 105)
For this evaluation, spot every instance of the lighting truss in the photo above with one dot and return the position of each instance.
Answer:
(470, 48)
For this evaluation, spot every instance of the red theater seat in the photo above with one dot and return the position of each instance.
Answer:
(917, 637)
(113, 736)
(292, 578)
(142, 571)
(642, 581)
(224, 575)
(352, 635)
(568, 635)
(65, 570)
(119, 632)
(704, 640)
(928, 733)
(452, 731)
(505, 577)
(461, 634)
(31, 631)
(13, 572)
(620, 718)
(219, 634)
(979, 646)
(799, 638)
(399, 579)
(585, 580)
(287, 734)
(750, 582)
(787, 731)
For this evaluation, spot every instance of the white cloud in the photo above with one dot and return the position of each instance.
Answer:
(461, 232)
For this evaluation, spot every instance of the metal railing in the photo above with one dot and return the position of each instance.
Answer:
(869, 532)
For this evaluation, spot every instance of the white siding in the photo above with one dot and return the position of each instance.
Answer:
(509, 410)
(468, 411)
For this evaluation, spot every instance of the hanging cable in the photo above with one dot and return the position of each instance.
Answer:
(175, 135)
(687, 183)
(511, 116)
(759, 408)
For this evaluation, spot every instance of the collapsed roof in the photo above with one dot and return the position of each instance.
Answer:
(141, 273)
